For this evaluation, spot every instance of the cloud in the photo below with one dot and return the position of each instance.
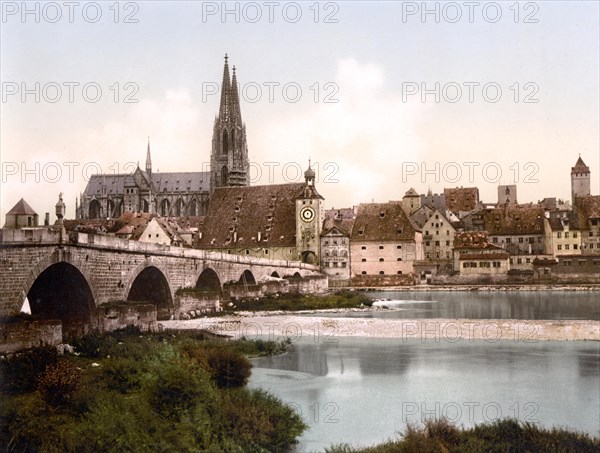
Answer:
(369, 131)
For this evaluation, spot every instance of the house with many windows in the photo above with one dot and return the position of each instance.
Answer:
(475, 255)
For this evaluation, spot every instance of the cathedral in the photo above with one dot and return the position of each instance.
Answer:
(181, 193)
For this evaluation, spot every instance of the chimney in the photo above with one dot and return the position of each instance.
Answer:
(47, 219)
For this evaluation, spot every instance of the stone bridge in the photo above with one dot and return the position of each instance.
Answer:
(79, 278)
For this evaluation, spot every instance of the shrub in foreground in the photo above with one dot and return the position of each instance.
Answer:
(507, 435)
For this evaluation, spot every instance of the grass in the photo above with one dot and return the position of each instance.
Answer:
(294, 302)
(128, 391)
(502, 436)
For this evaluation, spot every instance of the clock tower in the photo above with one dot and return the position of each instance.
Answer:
(309, 220)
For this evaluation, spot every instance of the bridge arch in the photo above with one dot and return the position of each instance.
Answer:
(208, 280)
(58, 289)
(275, 274)
(150, 284)
(247, 278)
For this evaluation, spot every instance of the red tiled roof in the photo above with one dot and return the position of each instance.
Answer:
(382, 222)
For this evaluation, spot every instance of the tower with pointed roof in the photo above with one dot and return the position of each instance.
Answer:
(309, 219)
(229, 156)
(580, 180)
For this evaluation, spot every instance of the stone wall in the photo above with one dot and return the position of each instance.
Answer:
(115, 316)
(20, 335)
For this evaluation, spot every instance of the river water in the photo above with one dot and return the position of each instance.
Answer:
(534, 305)
(363, 391)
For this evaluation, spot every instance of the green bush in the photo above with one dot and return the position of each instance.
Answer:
(257, 419)
(177, 388)
(228, 368)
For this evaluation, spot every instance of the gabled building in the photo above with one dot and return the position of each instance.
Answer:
(562, 237)
(159, 231)
(438, 238)
(335, 247)
(384, 241)
(411, 201)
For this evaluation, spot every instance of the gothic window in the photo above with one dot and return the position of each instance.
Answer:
(179, 208)
(193, 208)
(94, 210)
(224, 175)
(146, 207)
(225, 142)
(164, 207)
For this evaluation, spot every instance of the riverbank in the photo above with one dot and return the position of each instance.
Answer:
(251, 325)
(486, 288)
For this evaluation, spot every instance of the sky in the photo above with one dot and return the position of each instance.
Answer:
(381, 96)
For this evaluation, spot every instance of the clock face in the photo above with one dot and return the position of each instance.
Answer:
(307, 214)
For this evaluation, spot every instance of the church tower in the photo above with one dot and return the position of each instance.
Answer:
(309, 220)
(229, 156)
(580, 180)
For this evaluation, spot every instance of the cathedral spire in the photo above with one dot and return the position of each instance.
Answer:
(224, 110)
(148, 159)
(235, 99)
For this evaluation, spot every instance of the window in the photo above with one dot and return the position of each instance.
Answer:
(566, 246)
(528, 260)
(465, 265)
(399, 272)
(149, 236)
(398, 259)
(381, 247)
(447, 232)
(559, 234)
(364, 247)
(447, 243)
(567, 262)
(520, 240)
(426, 233)
(364, 260)
(582, 262)
(437, 233)
(494, 240)
(266, 252)
(566, 235)
(381, 273)
(399, 247)
(437, 243)
(343, 264)
(335, 264)
(326, 242)
(427, 255)
(574, 246)
(559, 247)
(427, 243)
(380, 260)
(247, 252)
(508, 240)
(364, 272)
(574, 234)
(519, 260)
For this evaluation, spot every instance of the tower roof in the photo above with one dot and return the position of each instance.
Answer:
(580, 167)
(22, 208)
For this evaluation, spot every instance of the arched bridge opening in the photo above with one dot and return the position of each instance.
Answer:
(247, 278)
(152, 286)
(62, 292)
(208, 281)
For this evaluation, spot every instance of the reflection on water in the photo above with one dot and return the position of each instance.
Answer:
(487, 305)
(363, 391)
